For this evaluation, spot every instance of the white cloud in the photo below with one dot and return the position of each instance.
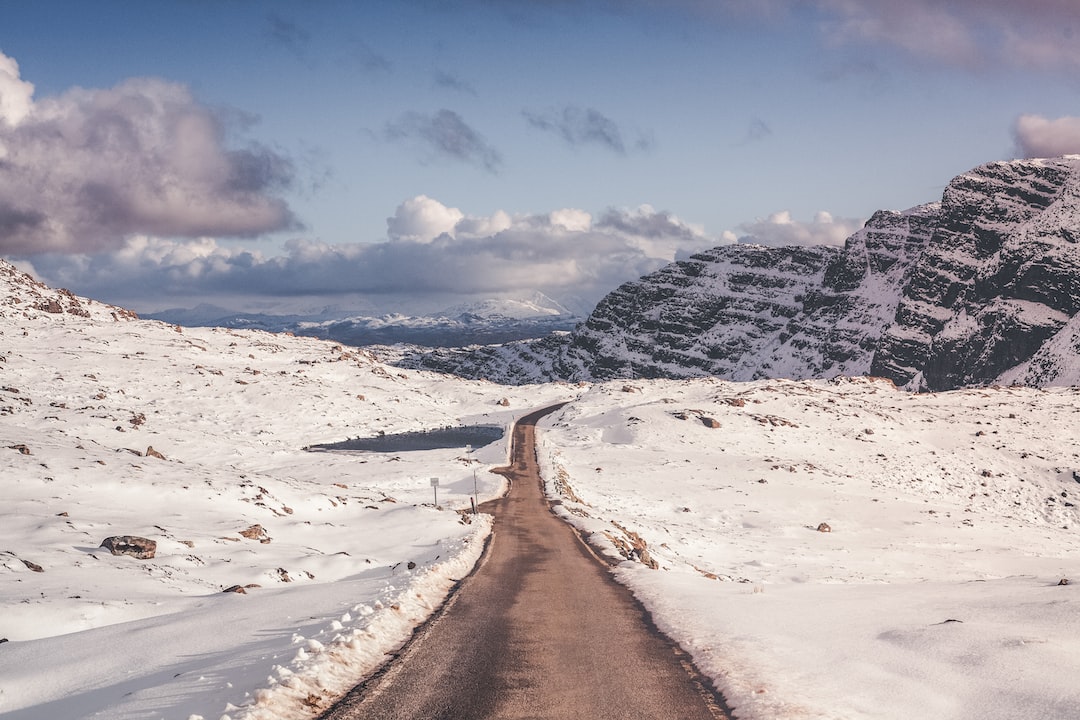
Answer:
(1040, 137)
(433, 250)
(16, 95)
(83, 170)
(473, 226)
(421, 219)
(781, 229)
(571, 219)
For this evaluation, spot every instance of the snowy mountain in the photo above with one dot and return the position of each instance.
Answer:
(982, 287)
(485, 321)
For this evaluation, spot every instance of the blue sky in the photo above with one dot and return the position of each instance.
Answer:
(386, 155)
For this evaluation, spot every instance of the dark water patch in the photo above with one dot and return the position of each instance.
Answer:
(436, 439)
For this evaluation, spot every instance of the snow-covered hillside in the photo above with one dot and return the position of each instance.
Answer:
(340, 555)
(842, 550)
(936, 591)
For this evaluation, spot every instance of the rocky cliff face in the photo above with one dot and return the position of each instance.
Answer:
(981, 287)
(999, 278)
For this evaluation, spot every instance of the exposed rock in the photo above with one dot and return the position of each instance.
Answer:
(710, 422)
(647, 559)
(824, 527)
(706, 573)
(505, 402)
(240, 589)
(980, 288)
(50, 306)
(137, 547)
(151, 452)
(411, 565)
(256, 532)
(21, 448)
(774, 420)
(1062, 581)
(33, 566)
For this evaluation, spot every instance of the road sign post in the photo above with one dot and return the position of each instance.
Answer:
(435, 487)
(475, 498)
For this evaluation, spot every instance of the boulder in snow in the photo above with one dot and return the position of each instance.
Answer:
(139, 548)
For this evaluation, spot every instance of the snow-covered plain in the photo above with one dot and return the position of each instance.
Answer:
(936, 593)
(86, 391)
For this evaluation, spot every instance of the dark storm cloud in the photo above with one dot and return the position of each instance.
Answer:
(584, 126)
(81, 171)
(447, 136)
(14, 220)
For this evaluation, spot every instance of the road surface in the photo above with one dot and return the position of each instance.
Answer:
(539, 630)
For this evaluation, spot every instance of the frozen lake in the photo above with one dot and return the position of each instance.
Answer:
(449, 437)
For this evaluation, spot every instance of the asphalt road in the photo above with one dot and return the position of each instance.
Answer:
(539, 630)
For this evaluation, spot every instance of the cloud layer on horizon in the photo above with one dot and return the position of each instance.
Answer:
(81, 171)
(780, 229)
(432, 249)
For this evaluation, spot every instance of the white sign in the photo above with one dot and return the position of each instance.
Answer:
(434, 482)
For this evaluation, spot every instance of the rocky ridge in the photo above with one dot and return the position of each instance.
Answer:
(982, 287)
(22, 294)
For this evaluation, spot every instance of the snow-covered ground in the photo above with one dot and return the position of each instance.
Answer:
(953, 518)
(86, 391)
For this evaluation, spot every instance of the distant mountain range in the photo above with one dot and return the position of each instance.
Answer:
(483, 322)
(982, 287)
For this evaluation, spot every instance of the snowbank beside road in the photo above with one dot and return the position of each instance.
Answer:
(951, 520)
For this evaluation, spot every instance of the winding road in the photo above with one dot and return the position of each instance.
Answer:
(539, 630)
